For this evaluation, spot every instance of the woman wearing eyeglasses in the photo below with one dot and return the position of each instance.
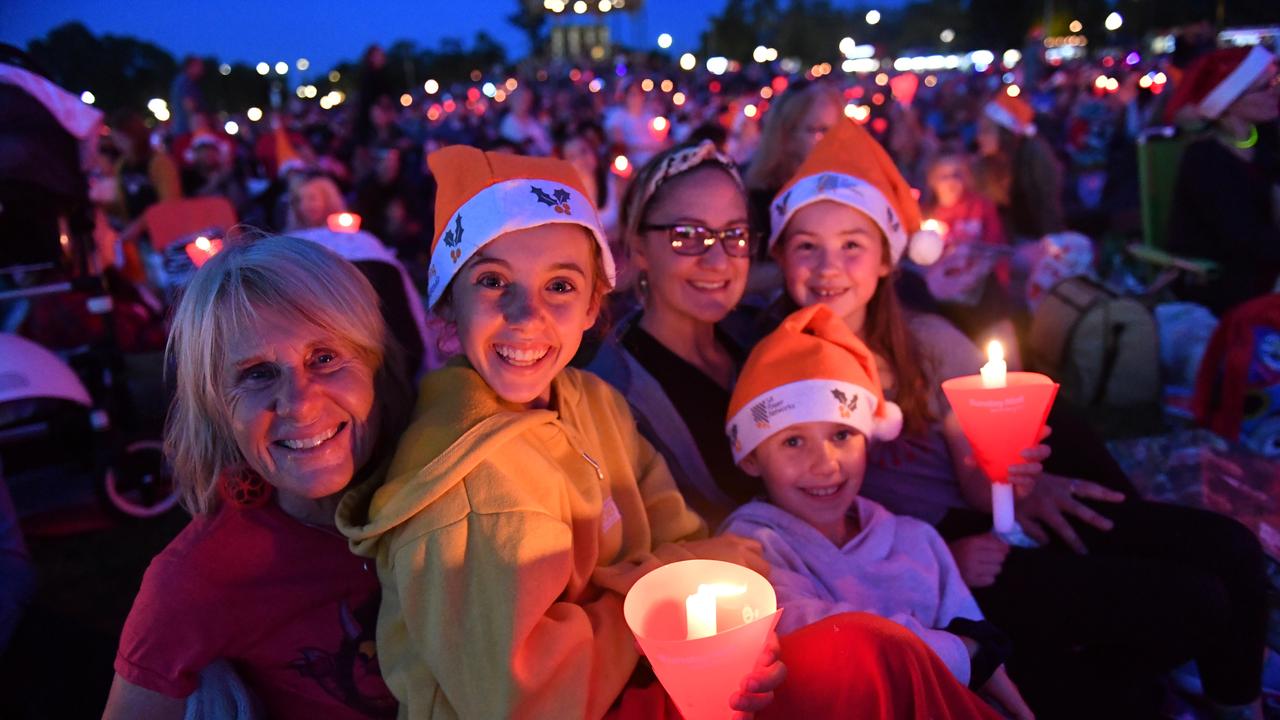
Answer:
(684, 221)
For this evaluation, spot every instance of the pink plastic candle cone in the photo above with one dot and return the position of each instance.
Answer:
(1001, 422)
(701, 675)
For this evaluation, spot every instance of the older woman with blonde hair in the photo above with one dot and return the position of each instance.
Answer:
(287, 393)
(312, 201)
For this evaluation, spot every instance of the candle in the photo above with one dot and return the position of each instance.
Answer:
(344, 222)
(700, 608)
(936, 226)
(993, 373)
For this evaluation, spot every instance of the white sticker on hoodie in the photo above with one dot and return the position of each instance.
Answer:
(609, 515)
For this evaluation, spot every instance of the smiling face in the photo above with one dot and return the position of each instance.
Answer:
(699, 287)
(835, 255)
(300, 403)
(521, 305)
(814, 471)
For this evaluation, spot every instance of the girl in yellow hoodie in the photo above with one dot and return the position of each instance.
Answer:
(522, 504)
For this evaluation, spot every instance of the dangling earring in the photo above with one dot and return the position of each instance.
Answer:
(243, 488)
(642, 287)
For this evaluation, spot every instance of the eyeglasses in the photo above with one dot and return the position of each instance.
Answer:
(697, 240)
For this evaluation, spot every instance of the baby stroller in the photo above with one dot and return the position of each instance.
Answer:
(66, 412)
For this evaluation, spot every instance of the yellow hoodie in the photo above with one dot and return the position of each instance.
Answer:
(506, 540)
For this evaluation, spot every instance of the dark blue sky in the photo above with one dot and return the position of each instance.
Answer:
(323, 31)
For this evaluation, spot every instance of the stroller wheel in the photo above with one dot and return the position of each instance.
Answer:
(139, 484)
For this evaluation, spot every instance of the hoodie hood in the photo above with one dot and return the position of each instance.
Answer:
(459, 422)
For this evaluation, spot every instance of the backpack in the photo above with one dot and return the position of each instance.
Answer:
(1103, 349)
(1238, 387)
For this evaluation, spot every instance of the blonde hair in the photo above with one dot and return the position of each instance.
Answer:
(284, 275)
(333, 200)
(775, 163)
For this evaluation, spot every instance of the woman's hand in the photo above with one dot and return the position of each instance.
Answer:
(731, 548)
(757, 688)
(1053, 498)
(1023, 475)
(980, 558)
(1001, 689)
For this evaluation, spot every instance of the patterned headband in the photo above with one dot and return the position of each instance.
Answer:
(680, 162)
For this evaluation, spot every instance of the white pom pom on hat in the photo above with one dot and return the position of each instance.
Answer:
(925, 247)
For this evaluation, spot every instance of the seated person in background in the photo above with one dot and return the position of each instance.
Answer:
(830, 550)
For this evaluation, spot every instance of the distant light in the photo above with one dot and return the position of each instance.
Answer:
(311, 91)
(232, 127)
(155, 105)
(760, 54)
(1160, 79)
(621, 164)
(1075, 26)
(301, 92)
(848, 46)
(1144, 82)
(406, 100)
(476, 75)
(766, 92)
(873, 17)
(580, 7)
(334, 76)
(87, 97)
(717, 65)
(668, 86)
(930, 80)
(162, 114)
(659, 124)
(1113, 85)
(254, 114)
(511, 84)
(1113, 22)
(489, 89)
(750, 110)
(688, 61)
(1013, 91)
(646, 85)
(982, 58)
(678, 99)
(263, 68)
(947, 35)
(596, 85)
(882, 79)
(1132, 58)
(224, 69)
(203, 243)
(1100, 82)
(1011, 57)
(282, 67)
(302, 64)
(431, 87)
(604, 6)
(664, 40)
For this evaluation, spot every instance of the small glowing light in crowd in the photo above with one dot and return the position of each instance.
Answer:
(717, 65)
(849, 110)
(162, 114)
(1132, 58)
(1113, 85)
(87, 97)
(155, 105)
(282, 67)
(664, 40)
(1113, 22)
(597, 52)
(848, 46)
(766, 92)
(500, 96)
(489, 89)
(1013, 91)
(232, 127)
(472, 95)
(1011, 57)
(580, 7)
(760, 54)
(311, 91)
(596, 85)
(873, 17)
(880, 125)
(749, 110)
(621, 165)
(882, 79)
(659, 124)
(334, 76)
(431, 87)
(604, 6)
(982, 58)
(668, 86)
(433, 113)
(678, 99)
(1160, 79)
(346, 219)
(555, 6)
(406, 100)
(688, 61)
(1144, 82)
(1007, 78)
(930, 80)
(254, 114)
(1100, 82)
(511, 84)
(646, 85)
(947, 35)
(224, 69)
(877, 99)
(326, 103)
(450, 105)
(476, 75)
(302, 64)
(263, 68)
(1075, 26)
(575, 75)
(861, 113)
(203, 243)
(301, 91)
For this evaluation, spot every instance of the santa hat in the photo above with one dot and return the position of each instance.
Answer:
(849, 167)
(1215, 80)
(811, 369)
(482, 195)
(1011, 113)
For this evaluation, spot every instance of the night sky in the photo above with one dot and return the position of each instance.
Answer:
(323, 31)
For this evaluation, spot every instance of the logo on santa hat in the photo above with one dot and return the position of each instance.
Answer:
(559, 199)
(846, 404)
(453, 238)
(733, 438)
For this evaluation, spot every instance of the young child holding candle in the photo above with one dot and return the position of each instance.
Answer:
(804, 410)
(522, 504)
(1120, 590)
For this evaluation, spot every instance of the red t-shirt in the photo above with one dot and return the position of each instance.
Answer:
(286, 603)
